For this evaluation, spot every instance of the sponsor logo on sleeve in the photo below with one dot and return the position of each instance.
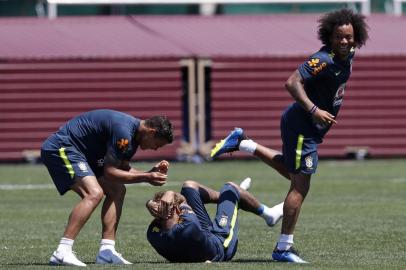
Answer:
(316, 65)
(122, 144)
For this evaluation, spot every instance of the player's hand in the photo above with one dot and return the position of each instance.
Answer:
(323, 118)
(160, 209)
(157, 178)
(161, 167)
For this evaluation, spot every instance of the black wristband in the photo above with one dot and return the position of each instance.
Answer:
(313, 109)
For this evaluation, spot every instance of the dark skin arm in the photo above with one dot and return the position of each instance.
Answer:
(295, 87)
(120, 171)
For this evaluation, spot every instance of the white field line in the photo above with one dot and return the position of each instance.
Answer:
(52, 186)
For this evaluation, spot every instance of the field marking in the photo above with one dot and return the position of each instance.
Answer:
(52, 186)
(398, 180)
(25, 187)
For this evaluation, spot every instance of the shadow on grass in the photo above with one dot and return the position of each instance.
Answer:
(153, 262)
(252, 261)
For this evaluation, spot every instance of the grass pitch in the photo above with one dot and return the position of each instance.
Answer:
(353, 218)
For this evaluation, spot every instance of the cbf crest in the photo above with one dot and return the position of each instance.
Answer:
(223, 221)
(309, 162)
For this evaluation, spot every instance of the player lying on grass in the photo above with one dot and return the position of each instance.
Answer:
(182, 230)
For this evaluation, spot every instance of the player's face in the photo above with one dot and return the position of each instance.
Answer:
(153, 143)
(342, 40)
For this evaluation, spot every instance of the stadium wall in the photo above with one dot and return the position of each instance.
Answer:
(53, 70)
(39, 96)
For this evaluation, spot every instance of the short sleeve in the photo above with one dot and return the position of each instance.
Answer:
(120, 144)
(315, 66)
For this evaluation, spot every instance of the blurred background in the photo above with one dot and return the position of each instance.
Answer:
(208, 65)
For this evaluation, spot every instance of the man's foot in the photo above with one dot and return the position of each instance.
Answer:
(229, 144)
(246, 183)
(290, 255)
(109, 256)
(274, 214)
(65, 258)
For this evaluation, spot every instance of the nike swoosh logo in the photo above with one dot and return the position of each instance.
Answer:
(337, 73)
(58, 260)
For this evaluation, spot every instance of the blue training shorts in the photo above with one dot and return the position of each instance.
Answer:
(299, 148)
(225, 225)
(65, 165)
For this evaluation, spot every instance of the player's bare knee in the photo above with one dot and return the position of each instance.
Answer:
(95, 195)
(234, 185)
(190, 184)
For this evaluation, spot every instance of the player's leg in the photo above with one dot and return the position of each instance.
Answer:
(91, 193)
(299, 188)
(208, 195)
(196, 196)
(237, 140)
(225, 225)
(250, 203)
(69, 171)
(110, 217)
(300, 153)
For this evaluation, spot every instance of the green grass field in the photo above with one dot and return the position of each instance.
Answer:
(353, 218)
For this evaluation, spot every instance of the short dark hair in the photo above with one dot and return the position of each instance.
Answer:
(331, 20)
(163, 127)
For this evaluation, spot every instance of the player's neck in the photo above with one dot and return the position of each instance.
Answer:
(140, 131)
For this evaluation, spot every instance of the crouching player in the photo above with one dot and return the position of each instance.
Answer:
(182, 230)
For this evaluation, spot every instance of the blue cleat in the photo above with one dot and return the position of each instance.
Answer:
(290, 255)
(229, 144)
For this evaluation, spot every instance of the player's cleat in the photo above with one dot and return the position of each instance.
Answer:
(229, 144)
(291, 255)
(246, 183)
(108, 256)
(66, 258)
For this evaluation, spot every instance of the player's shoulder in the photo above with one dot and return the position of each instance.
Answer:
(324, 55)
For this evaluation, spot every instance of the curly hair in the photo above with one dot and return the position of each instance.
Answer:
(330, 21)
(163, 127)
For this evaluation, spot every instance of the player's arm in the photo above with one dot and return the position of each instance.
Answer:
(119, 171)
(295, 87)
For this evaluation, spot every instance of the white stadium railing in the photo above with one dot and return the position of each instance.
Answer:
(53, 4)
(397, 7)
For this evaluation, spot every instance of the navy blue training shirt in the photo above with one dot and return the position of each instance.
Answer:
(185, 241)
(324, 75)
(96, 132)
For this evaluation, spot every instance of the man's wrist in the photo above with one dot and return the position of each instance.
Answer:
(313, 109)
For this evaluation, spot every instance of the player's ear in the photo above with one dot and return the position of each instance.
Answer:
(151, 131)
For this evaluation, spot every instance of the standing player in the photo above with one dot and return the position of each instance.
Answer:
(91, 155)
(317, 87)
(182, 230)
